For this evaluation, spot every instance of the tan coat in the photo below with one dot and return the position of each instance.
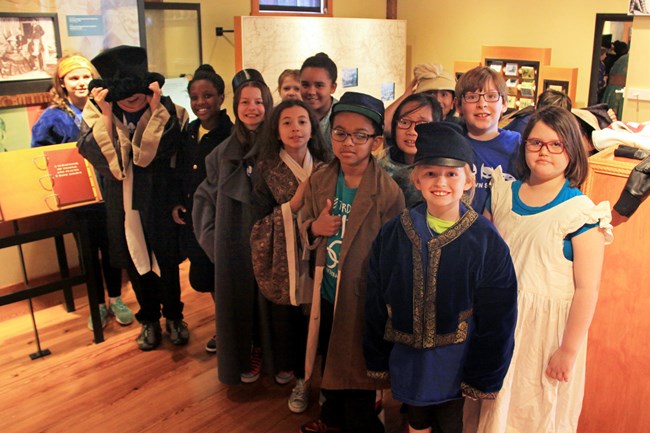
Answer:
(378, 199)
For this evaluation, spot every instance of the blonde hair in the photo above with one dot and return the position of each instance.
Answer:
(468, 195)
(58, 94)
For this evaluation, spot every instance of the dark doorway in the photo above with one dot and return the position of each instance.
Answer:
(601, 20)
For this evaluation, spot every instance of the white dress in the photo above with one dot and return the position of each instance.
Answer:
(529, 401)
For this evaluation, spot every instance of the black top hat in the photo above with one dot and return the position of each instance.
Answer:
(363, 104)
(442, 143)
(244, 76)
(124, 72)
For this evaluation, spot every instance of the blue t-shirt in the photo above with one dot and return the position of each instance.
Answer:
(342, 206)
(488, 155)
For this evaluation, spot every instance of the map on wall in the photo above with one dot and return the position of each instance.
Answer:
(375, 48)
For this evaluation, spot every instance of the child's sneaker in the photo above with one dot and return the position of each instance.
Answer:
(150, 336)
(178, 332)
(284, 377)
(255, 367)
(123, 314)
(211, 345)
(299, 399)
(103, 316)
(318, 426)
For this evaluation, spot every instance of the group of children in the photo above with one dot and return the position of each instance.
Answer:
(308, 245)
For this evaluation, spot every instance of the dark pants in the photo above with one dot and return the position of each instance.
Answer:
(289, 338)
(442, 418)
(99, 245)
(152, 291)
(95, 219)
(352, 410)
(201, 274)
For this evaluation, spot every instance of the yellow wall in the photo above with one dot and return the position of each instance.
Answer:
(445, 31)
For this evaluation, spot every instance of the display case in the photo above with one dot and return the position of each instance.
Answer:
(520, 68)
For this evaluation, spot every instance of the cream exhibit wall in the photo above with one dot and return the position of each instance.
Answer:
(637, 71)
(347, 41)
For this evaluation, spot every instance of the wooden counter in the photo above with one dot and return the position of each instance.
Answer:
(617, 392)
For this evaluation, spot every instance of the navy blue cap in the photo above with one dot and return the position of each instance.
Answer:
(443, 144)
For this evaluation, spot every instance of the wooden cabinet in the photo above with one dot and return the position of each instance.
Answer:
(617, 391)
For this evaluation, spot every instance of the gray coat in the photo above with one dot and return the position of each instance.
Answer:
(223, 219)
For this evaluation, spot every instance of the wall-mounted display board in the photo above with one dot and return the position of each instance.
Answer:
(520, 68)
(45, 179)
(375, 48)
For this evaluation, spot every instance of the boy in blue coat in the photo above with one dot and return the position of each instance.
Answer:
(441, 299)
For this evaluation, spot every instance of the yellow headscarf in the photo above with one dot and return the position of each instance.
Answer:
(71, 63)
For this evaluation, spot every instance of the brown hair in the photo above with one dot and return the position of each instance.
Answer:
(476, 79)
(271, 144)
(242, 133)
(566, 126)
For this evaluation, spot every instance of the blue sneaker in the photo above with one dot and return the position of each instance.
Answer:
(103, 315)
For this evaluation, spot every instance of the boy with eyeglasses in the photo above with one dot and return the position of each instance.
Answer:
(481, 100)
(345, 204)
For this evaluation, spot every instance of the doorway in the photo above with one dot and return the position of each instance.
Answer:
(618, 27)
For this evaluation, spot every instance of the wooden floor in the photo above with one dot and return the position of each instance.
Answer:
(114, 387)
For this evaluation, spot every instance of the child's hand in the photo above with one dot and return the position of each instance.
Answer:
(326, 224)
(560, 365)
(154, 100)
(178, 214)
(296, 201)
(99, 96)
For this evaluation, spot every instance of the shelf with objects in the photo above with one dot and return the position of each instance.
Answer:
(41, 189)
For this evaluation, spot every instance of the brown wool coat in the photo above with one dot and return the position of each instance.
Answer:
(378, 199)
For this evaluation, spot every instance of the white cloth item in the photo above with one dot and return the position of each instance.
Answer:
(627, 133)
(298, 269)
(135, 240)
(529, 401)
(301, 172)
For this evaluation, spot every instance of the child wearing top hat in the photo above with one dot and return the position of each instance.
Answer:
(441, 297)
(130, 133)
(345, 204)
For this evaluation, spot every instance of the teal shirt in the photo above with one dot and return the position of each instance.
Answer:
(342, 206)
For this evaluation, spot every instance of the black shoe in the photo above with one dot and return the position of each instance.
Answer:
(150, 336)
(211, 345)
(178, 332)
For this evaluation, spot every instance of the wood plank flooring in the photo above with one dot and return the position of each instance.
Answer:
(114, 387)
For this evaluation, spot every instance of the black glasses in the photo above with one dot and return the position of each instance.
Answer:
(406, 123)
(474, 97)
(553, 146)
(357, 137)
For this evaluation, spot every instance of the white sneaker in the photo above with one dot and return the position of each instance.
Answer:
(299, 399)
(284, 377)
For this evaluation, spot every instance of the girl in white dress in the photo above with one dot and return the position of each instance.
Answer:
(557, 238)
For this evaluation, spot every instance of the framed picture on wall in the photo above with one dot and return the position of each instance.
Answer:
(560, 86)
(29, 49)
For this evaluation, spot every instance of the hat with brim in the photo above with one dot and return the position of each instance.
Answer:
(363, 104)
(124, 72)
(442, 144)
(433, 77)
